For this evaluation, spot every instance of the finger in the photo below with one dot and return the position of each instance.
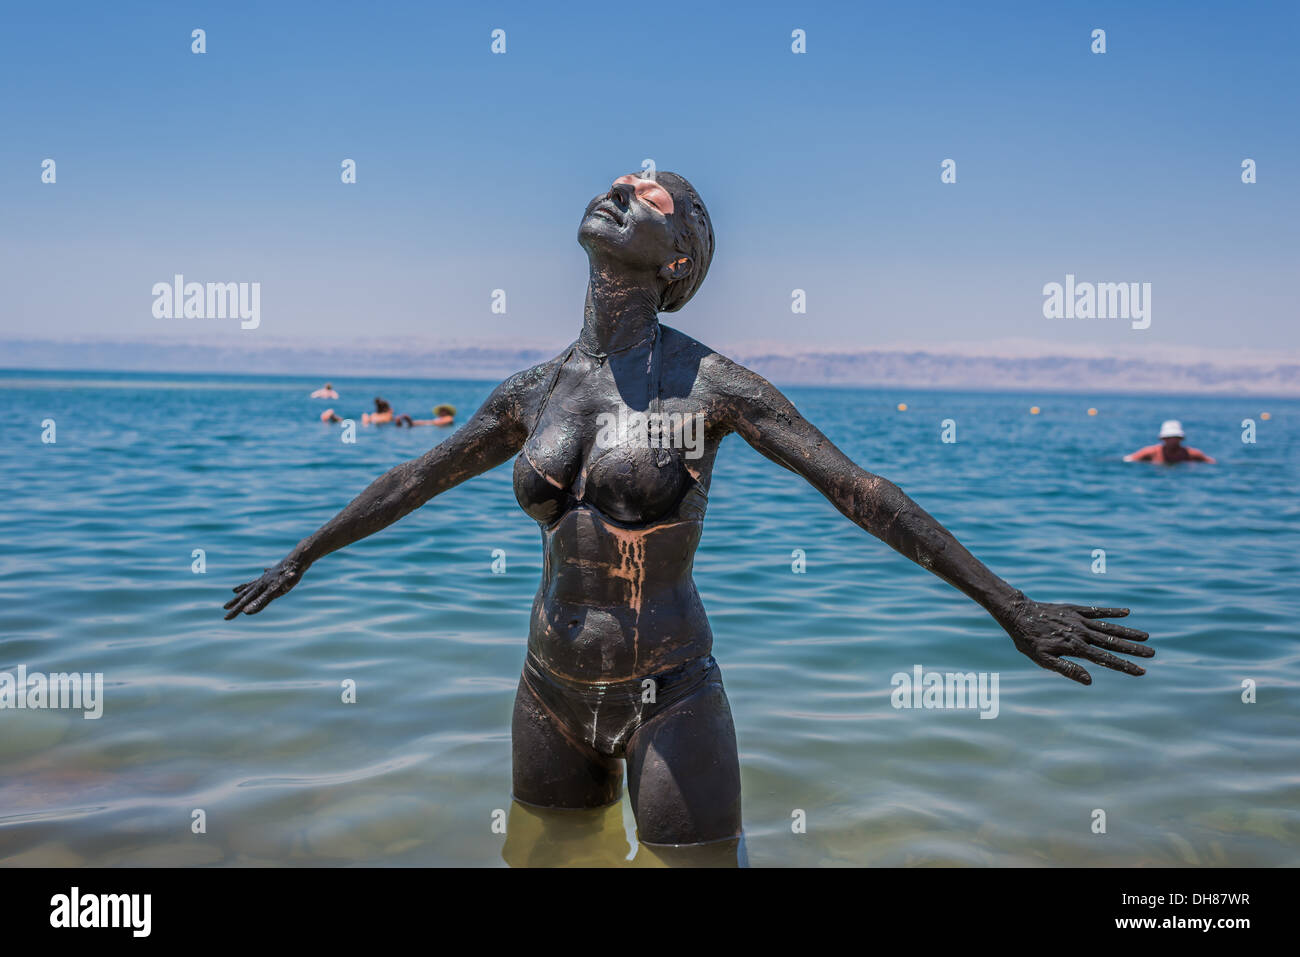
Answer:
(1119, 631)
(1120, 645)
(234, 611)
(1092, 611)
(241, 591)
(1107, 660)
(238, 604)
(1067, 668)
(260, 602)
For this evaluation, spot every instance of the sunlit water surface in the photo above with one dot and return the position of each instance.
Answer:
(245, 721)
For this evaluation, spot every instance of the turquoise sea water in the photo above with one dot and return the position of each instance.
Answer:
(244, 719)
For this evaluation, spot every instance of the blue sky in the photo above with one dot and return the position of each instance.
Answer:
(821, 170)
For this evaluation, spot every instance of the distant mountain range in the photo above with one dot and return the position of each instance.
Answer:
(1007, 366)
(1036, 373)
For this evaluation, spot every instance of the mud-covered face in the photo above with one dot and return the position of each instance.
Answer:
(631, 223)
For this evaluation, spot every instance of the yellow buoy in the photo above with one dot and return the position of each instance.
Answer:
(1265, 416)
(902, 407)
(1092, 411)
(1034, 410)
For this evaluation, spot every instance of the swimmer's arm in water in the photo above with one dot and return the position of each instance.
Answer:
(494, 433)
(1196, 455)
(1044, 632)
(1146, 454)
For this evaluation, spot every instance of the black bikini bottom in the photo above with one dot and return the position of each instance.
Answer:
(605, 716)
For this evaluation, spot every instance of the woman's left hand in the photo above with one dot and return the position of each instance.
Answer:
(1046, 632)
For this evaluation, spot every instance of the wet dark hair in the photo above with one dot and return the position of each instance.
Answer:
(693, 237)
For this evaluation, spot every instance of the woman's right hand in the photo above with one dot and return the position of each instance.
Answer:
(252, 597)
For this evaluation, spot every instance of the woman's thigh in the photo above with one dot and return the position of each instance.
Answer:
(551, 767)
(683, 771)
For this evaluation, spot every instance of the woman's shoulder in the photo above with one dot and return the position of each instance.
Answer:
(679, 348)
(717, 369)
(518, 395)
(729, 387)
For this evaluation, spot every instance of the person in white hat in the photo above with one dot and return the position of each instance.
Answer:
(1171, 449)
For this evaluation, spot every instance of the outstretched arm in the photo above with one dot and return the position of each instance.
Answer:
(492, 435)
(1044, 632)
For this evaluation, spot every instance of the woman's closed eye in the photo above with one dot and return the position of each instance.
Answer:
(657, 197)
(650, 193)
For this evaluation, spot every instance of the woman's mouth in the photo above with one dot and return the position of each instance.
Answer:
(606, 210)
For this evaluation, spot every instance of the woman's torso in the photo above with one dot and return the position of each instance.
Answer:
(620, 517)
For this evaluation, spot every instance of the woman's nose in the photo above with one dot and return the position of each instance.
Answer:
(622, 194)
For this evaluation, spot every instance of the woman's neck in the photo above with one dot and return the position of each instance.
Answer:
(620, 312)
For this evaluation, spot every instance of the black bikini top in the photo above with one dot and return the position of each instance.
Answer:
(630, 482)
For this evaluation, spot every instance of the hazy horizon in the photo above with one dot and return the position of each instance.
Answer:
(1248, 374)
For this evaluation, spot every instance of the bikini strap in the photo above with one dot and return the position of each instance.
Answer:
(555, 378)
(655, 405)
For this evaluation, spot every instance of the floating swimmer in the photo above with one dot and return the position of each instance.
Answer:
(383, 413)
(442, 415)
(1171, 450)
(327, 392)
(619, 665)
